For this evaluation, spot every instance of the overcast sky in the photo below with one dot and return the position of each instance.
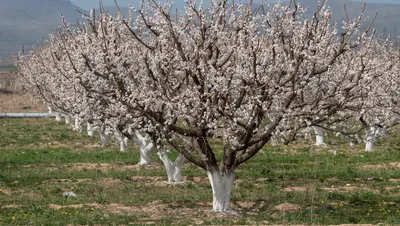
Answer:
(88, 4)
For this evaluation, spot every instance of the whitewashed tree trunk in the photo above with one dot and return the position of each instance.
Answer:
(103, 136)
(371, 135)
(67, 119)
(58, 117)
(174, 169)
(145, 154)
(50, 110)
(123, 141)
(319, 134)
(222, 189)
(90, 130)
(77, 125)
(145, 147)
(123, 144)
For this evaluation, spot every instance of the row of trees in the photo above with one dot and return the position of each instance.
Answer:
(230, 72)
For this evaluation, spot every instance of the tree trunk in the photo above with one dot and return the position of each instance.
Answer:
(77, 125)
(145, 154)
(370, 139)
(222, 189)
(145, 147)
(58, 117)
(67, 119)
(174, 169)
(123, 141)
(103, 136)
(123, 145)
(319, 134)
(90, 131)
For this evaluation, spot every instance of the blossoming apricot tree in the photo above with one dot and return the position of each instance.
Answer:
(224, 72)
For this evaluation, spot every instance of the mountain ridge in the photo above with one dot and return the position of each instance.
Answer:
(25, 22)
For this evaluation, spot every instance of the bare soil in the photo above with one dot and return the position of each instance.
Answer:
(287, 207)
(331, 189)
(65, 181)
(104, 167)
(5, 191)
(157, 210)
(381, 166)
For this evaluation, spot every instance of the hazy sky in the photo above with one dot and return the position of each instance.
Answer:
(88, 4)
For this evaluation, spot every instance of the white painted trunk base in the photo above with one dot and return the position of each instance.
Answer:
(319, 140)
(90, 130)
(173, 169)
(145, 154)
(123, 141)
(145, 147)
(222, 189)
(319, 134)
(369, 146)
(123, 144)
(103, 136)
(77, 125)
(67, 119)
(370, 139)
(58, 117)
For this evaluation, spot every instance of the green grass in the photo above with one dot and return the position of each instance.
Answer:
(40, 159)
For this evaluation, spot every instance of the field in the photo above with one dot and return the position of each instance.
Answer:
(12, 98)
(40, 159)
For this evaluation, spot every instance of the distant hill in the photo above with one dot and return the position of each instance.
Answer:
(25, 22)
(114, 11)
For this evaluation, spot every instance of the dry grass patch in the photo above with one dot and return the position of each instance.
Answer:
(162, 180)
(288, 207)
(67, 181)
(75, 206)
(104, 167)
(391, 188)
(111, 183)
(108, 183)
(297, 189)
(347, 188)
(157, 210)
(18, 103)
(394, 180)
(47, 167)
(27, 194)
(5, 191)
(381, 166)
(11, 206)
